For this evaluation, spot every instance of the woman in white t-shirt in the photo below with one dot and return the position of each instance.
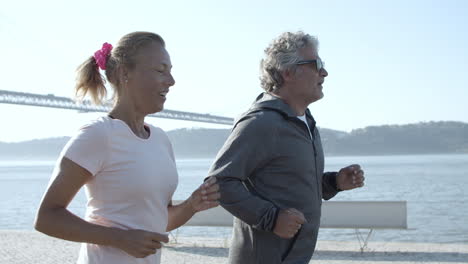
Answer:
(126, 165)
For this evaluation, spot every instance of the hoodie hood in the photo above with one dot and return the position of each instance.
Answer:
(266, 101)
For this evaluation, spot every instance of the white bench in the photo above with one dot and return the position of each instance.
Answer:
(335, 214)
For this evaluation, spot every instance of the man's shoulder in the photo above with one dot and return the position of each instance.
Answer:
(261, 120)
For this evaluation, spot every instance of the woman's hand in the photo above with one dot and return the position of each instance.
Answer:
(139, 243)
(206, 196)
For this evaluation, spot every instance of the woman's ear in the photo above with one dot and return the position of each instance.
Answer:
(123, 75)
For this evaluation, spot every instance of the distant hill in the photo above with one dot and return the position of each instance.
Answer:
(198, 142)
(420, 138)
(48, 148)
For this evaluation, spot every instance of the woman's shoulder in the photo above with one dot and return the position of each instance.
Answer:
(97, 127)
(158, 132)
(89, 146)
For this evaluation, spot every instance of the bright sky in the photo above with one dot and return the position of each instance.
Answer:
(389, 62)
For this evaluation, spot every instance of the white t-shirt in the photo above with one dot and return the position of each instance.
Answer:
(303, 118)
(133, 182)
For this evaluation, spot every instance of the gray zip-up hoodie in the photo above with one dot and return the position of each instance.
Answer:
(271, 162)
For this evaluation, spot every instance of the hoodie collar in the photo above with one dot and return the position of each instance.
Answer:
(268, 101)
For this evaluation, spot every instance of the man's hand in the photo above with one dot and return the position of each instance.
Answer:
(289, 221)
(350, 177)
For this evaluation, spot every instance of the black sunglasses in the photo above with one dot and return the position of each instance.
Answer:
(318, 63)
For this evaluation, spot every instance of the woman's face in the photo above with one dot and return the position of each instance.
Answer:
(148, 83)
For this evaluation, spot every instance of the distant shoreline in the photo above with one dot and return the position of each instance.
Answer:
(430, 138)
(186, 157)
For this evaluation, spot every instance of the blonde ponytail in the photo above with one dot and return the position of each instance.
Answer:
(89, 81)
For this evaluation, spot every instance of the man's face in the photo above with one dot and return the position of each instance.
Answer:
(308, 79)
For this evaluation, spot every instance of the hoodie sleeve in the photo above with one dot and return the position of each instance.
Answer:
(329, 189)
(249, 146)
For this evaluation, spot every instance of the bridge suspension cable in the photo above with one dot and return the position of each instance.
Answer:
(52, 101)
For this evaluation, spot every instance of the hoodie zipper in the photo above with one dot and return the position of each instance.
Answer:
(312, 133)
(315, 163)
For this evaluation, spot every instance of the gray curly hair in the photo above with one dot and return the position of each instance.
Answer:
(282, 55)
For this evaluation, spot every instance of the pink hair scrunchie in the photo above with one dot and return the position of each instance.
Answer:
(101, 55)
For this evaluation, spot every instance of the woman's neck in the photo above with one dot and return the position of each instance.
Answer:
(134, 120)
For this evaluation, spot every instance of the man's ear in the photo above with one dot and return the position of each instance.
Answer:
(288, 75)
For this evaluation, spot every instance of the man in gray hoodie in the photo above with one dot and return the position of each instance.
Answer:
(271, 168)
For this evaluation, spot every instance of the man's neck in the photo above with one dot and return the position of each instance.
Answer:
(296, 106)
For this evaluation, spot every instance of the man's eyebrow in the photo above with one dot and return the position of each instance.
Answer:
(166, 66)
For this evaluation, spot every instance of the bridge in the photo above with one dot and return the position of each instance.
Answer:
(52, 101)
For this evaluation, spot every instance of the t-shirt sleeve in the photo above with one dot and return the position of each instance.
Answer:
(88, 148)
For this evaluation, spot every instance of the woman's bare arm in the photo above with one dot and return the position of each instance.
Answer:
(55, 220)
